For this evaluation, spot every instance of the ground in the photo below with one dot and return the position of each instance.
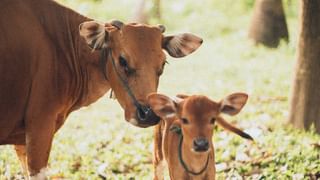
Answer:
(97, 143)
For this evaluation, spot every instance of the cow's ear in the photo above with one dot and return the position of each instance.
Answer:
(94, 33)
(233, 103)
(181, 45)
(162, 105)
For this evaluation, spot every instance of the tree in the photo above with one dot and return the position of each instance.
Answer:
(142, 13)
(157, 9)
(305, 96)
(268, 24)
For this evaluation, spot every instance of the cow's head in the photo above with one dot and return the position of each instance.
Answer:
(197, 115)
(137, 51)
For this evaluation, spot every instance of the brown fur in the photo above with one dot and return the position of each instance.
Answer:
(199, 111)
(48, 70)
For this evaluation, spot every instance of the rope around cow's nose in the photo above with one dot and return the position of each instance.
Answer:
(106, 53)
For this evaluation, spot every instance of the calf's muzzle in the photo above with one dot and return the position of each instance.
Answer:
(200, 144)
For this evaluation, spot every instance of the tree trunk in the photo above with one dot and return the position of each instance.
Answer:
(157, 9)
(140, 15)
(143, 14)
(305, 97)
(268, 24)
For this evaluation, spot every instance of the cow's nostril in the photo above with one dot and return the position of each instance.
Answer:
(142, 113)
(201, 144)
(146, 116)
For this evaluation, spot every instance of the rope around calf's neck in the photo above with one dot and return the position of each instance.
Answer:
(178, 130)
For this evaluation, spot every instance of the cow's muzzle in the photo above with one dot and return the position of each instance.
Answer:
(146, 117)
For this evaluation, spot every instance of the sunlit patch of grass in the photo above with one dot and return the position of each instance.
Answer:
(96, 142)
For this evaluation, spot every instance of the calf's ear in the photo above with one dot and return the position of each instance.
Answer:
(233, 103)
(232, 128)
(162, 105)
(181, 45)
(94, 33)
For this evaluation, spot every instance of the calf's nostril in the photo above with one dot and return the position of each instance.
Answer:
(200, 144)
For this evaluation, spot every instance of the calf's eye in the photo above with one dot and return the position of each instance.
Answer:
(184, 121)
(212, 120)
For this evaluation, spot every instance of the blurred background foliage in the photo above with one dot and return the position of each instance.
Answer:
(211, 17)
(96, 143)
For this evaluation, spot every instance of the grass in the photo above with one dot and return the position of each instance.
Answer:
(96, 140)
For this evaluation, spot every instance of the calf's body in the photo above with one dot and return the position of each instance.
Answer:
(183, 139)
(194, 162)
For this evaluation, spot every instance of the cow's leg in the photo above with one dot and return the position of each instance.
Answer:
(157, 153)
(38, 144)
(21, 153)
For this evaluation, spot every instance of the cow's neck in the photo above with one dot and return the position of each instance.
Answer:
(85, 81)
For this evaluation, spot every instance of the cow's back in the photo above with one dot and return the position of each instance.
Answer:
(22, 43)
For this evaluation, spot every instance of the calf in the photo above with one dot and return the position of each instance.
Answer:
(185, 135)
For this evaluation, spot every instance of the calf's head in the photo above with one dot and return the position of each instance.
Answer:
(137, 51)
(197, 115)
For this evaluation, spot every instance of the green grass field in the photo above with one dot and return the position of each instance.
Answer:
(97, 140)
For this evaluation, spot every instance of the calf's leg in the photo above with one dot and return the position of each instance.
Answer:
(158, 161)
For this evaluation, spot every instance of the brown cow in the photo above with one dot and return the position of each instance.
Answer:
(47, 70)
(186, 133)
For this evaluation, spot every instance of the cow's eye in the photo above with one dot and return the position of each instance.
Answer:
(124, 64)
(162, 68)
(184, 121)
(212, 120)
